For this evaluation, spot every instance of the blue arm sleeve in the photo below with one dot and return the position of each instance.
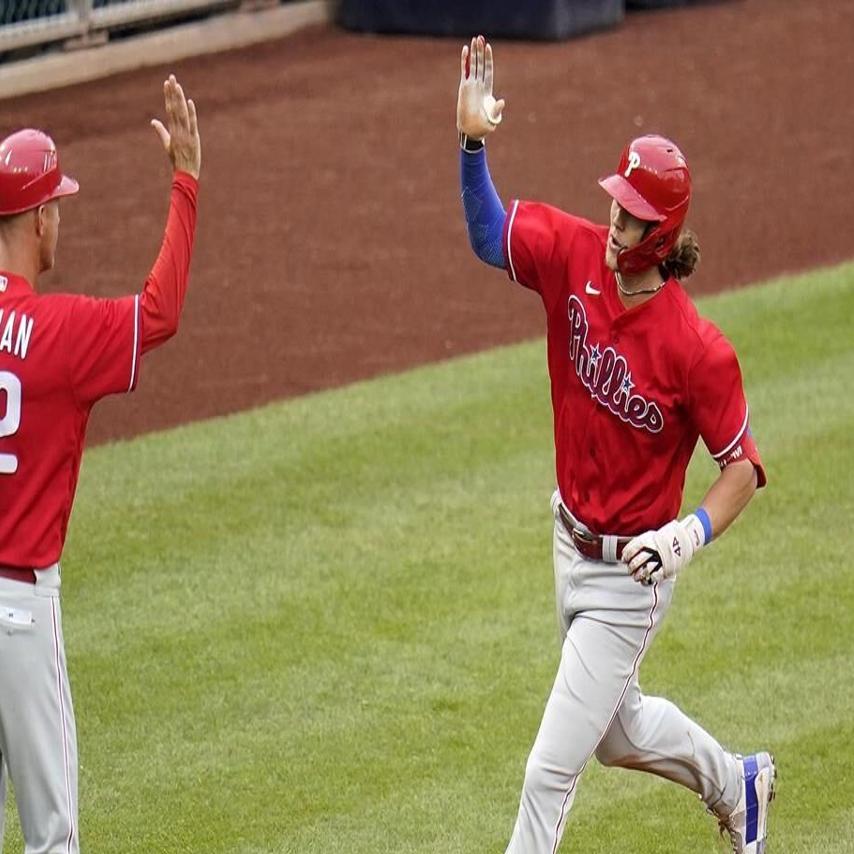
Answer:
(484, 212)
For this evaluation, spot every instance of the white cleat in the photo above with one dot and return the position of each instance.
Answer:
(747, 824)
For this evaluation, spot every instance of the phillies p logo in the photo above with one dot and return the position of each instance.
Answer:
(634, 162)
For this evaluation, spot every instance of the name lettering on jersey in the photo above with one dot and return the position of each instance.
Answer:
(606, 375)
(15, 341)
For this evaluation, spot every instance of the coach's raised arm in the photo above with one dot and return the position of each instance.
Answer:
(166, 285)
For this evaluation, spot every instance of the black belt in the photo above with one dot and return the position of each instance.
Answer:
(606, 548)
(14, 573)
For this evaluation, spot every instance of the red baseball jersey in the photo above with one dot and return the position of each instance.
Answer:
(632, 389)
(59, 354)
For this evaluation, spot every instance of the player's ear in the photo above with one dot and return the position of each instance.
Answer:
(41, 220)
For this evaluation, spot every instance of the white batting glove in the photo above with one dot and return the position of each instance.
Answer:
(656, 555)
(478, 113)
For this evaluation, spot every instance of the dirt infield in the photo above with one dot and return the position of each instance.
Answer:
(331, 242)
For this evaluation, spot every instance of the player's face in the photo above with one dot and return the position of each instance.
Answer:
(625, 231)
(49, 222)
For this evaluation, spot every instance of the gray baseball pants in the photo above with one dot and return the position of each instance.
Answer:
(607, 622)
(38, 740)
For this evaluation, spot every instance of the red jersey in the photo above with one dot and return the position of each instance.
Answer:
(59, 354)
(632, 389)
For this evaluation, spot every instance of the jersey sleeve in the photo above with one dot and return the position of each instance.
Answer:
(166, 285)
(537, 242)
(719, 408)
(103, 346)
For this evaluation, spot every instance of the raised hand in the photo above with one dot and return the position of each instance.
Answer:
(180, 135)
(478, 113)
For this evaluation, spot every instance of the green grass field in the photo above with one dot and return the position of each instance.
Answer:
(327, 625)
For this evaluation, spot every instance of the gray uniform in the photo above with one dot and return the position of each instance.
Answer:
(607, 623)
(38, 740)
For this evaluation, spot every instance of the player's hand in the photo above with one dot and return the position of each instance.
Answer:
(656, 555)
(180, 134)
(478, 113)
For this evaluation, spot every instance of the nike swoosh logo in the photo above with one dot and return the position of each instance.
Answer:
(589, 289)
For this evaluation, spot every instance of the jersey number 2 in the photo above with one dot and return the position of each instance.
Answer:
(11, 420)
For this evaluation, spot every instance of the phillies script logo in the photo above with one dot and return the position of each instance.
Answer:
(606, 375)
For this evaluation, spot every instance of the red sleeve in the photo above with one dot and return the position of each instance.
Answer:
(163, 295)
(103, 346)
(537, 241)
(719, 408)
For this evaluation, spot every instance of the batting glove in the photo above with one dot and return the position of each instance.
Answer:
(478, 113)
(656, 555)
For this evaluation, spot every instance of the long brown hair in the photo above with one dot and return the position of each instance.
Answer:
(683, 257)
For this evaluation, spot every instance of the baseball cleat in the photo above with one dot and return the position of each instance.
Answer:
(747, 824)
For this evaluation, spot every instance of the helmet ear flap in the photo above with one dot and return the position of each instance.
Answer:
(650, 252)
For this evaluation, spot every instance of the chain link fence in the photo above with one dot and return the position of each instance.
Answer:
(31, 22)
(28, 24)
(17, 11)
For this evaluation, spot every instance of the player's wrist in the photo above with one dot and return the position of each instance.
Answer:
(471, 144)
(698, 527)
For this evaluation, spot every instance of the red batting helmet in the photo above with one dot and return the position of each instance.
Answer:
(652, 183)
(29, 172)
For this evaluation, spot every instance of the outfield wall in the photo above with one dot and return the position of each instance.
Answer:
(28, 23)
(233, 29)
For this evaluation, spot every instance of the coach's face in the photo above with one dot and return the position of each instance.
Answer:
(48, 230)
(625, 231)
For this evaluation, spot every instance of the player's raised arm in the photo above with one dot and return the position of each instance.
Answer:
(163, 294)
(478, 114)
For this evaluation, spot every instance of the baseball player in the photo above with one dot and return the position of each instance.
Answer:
(637, 376)
(59, 354)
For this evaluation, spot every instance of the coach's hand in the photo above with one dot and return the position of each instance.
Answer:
(656, 555)
(478, 113)
(180, 135)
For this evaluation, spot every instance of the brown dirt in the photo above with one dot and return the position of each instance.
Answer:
(331, 242)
